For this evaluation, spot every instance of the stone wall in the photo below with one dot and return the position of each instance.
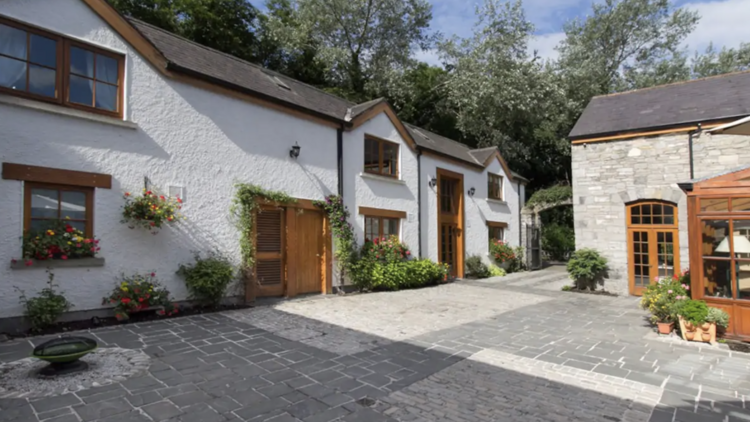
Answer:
(608, 175)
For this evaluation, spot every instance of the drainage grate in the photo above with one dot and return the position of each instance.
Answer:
(366, 402)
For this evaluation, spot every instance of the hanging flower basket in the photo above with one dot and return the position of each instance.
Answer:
(150, 210)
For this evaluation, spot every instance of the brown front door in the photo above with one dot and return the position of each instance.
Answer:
(270, 229)
(653, 243)
(450, 220)
(308, 257)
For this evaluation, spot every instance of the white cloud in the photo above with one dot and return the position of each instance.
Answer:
(545, 44)
(428, 56)
(726, 23)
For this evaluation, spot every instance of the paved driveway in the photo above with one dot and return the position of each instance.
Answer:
(511, 349)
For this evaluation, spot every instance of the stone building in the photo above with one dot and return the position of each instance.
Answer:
(629, 153)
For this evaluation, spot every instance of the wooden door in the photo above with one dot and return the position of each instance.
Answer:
(450, 221)
(653, 244)
(309, 258)
(270, 241)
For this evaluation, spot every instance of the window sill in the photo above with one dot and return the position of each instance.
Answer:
(497, 201)
(382, 178)
(64, 111)
(58, 263)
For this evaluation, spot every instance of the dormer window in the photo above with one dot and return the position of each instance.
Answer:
(494, 186)
(381, 157)
(44, 66)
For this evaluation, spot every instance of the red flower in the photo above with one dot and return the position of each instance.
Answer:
(161, 197)
(96, 242)
(160, 312)
(152, 224)
(125, 300)
(140, 299)
(29, 263)
(153, 274)
(376, 241)
(64, 257)
(86, 240)
(93, 249)
(148, 193)
(408, 252)
(68, 228)
(179, 201)
(13, 261)
(127, 193)
(78, 245)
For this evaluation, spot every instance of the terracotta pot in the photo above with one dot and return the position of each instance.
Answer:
(705, 332)
(706, 336)
(665, 327)
(689, 335)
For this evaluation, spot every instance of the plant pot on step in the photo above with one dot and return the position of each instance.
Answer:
(665, 327)
(705, 332)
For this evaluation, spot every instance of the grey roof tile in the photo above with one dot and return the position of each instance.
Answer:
(701, 100)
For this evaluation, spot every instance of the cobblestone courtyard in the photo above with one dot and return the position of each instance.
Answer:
(509, 349)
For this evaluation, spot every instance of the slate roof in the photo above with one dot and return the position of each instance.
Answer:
(189, 57)
(701, 100)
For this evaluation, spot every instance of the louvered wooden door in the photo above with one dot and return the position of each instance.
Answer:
(270, 231)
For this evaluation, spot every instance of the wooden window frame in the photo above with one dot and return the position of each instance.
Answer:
(62, 71)
(490, 193)
(381, 219)
(88, 191)
(493, 225)
(381, 143)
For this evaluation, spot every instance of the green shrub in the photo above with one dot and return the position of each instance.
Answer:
(516, 263)
(385, 250)
(587, 268)
(406, 274)
(558, 241)
(501, 252)
(496, 271)
(660, 298)
(692, 311)
(138, 292)
(208, 278)
(718, 316)
(44, 310)
(567, 288)
(476, 268)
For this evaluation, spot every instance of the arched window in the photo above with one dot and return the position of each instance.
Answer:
(653, 244)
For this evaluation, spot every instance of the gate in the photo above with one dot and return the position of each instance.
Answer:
(533, 247)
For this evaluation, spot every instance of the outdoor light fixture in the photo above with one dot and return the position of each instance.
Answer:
(433, 182)
(294, 152)
(472, 191)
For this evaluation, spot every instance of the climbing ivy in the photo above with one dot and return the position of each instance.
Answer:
(247, 201)
(343, 232)
(550, 196)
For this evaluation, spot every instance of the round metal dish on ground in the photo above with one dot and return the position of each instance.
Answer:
(63, 354)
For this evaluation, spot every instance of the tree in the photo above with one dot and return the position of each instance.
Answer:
(624, 44)
(358, 41)
(225, 25)
(506, 97)
(712, 62)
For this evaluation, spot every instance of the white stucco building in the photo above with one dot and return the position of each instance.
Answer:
(93, 104)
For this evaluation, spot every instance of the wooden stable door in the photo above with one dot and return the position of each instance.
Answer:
(450, 221)
(308, 259)
(270, 232)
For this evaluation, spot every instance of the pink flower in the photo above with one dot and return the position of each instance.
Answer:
(64, 257)
(153, 274)
(13, 261)
(29, 263)
(669, 291)
(687, 287)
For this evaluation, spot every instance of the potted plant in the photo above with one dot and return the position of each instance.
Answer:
(138, 293)
(659, 299)
(58, 239)
(150, 210)
(698, 322)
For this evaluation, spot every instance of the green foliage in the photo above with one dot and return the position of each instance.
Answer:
(407, 274)
(57, 239)
(207, 279)
(718, 316)
(713, 62)
(567, 288)
(138, 292)
(246, 203)
(496, 271)
(44, 310)
(501, 251)
(558, 241)
(385, 250)
(343, 233)
(476, 268)
(150, 211)
(225, 25)
(586, 268)
(660, 298)
(517, 263)
(692, 311)
(551, 196)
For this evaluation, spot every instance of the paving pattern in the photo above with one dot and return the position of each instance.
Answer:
(505, 349)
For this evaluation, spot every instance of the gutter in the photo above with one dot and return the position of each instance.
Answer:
(419, 200)
(690, 149)
(520, 207)
(340, 159)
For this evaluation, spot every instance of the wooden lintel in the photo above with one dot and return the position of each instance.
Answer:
(378, 212)
(12, 171)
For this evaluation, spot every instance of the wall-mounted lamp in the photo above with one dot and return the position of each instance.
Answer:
(432, 182)
(294, 152)
(472, 191)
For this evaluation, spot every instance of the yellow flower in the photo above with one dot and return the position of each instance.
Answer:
(70, 243)
(67, 217)
(50, 232)
(124, 289)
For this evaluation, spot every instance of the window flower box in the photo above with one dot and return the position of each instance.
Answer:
(57, 241)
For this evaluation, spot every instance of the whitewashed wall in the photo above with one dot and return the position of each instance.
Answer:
(186, 136)
(365, 190)
(477, 209)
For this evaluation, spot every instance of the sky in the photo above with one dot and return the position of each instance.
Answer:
(725, 22)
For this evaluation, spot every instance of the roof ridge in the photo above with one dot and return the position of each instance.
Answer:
(468, 149)
(632, 91)
(482, 149)
(235, 58)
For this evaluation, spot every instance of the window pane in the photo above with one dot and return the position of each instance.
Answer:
(715, 239)
(390, 159)
(78, 225)
(40, 225)
(742, 268)
(81, 62)
(81, 90)
(42, 81)
(741, 204)
(73, 205)
(106, 96)
(375, 228)
(390, 227)
(371, 156)
(717, 278)
(44, 203)
(13, 42)
(12, 73)
(740, 238)
(668, 210)
(106, 69)
(714, 204)
(43, 51)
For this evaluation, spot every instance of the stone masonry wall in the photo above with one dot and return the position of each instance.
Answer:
(607, 175)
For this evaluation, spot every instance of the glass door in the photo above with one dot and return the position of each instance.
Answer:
(653, 246)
